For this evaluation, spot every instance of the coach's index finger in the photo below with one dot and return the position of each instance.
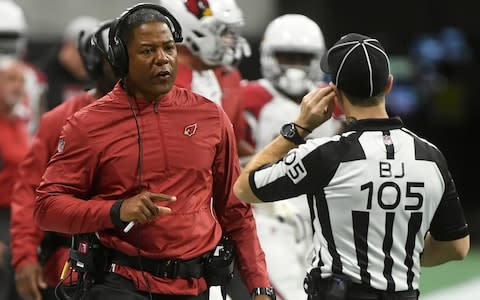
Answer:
(160, 197)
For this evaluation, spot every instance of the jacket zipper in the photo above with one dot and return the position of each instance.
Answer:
(162, 138)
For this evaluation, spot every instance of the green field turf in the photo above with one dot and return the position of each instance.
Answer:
(451, 274)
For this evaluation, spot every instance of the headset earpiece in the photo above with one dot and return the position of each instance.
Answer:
(117, 51)
(90, 57)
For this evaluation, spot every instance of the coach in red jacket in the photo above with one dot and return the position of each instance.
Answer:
(31, 277)
(144, 138)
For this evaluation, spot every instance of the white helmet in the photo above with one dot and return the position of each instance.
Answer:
(292, 33)
(13, 29)
(211, 29)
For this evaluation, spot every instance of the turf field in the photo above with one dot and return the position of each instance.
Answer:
(454, 280)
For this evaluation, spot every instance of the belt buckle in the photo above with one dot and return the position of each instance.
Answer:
(170, 269)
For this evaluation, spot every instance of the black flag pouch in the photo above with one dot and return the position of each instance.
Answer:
(338, 286)
(331, 288)
(219, 263)
(312, 283)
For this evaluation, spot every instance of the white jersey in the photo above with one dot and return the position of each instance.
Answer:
(283, 228)
(206, 84)
(280, 110)
(30, 110)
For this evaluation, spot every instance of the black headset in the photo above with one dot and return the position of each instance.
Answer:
(117, 50)
(93, 50)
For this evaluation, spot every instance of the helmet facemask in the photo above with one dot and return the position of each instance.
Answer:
(12, 43)
(13, 29)
(296, 72)
(219, 43)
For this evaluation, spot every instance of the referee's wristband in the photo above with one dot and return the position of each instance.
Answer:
(301, 127)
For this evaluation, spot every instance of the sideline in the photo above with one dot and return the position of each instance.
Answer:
(465, 291)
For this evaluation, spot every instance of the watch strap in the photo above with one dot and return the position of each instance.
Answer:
(304, 128)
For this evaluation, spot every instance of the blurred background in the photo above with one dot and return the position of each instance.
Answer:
(434, 48)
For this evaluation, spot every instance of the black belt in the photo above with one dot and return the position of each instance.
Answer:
(357, 290)
(168, 268)
(50, 243)
(362, 291)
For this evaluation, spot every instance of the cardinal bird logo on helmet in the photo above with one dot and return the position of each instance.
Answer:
(200, 8)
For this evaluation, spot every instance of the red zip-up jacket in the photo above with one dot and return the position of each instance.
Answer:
(189, 151)
(25, 235)
(232, 102)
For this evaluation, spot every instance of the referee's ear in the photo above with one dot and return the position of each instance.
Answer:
(242, 189)
(389, 85)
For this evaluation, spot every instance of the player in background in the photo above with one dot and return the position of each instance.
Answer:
(13, 148)
(209, 55)
(37, 274)
(290, 55)
(13, 42)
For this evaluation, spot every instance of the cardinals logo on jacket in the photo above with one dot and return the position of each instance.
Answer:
(190, 129)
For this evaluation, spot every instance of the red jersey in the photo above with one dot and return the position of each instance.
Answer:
(231, 98)
(13, 148)
(189, 151)
(267, 109)
(26, 236)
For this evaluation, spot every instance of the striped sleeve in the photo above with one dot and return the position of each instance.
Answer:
(299, 172)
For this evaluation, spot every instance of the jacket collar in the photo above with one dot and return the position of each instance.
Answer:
(120, 94)
(374, 124)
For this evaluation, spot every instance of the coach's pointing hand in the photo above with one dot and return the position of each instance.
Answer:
(142, 208)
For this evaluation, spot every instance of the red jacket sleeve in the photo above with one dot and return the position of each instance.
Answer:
(235, 216)
(66, 183)
(25, 236)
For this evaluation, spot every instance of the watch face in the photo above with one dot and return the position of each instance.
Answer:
(264, 291)
(288, 130)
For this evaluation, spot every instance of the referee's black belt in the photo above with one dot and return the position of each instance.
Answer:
(361, 291)
(167, 268)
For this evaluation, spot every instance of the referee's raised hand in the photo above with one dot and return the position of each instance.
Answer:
(142, 207)
(316, 107)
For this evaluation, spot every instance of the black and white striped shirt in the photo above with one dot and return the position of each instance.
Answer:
(374, 192)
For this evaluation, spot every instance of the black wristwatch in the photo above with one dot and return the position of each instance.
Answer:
(268, 291)
(289, 131)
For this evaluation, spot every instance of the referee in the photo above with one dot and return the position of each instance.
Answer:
(382, 199)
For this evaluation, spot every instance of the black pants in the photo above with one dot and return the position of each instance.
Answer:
(8, 290)
(116, 287)
(236, 289)
(357, 292)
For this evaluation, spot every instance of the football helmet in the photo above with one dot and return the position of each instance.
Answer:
(290, 54)
(13, 29)
(211, 29)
